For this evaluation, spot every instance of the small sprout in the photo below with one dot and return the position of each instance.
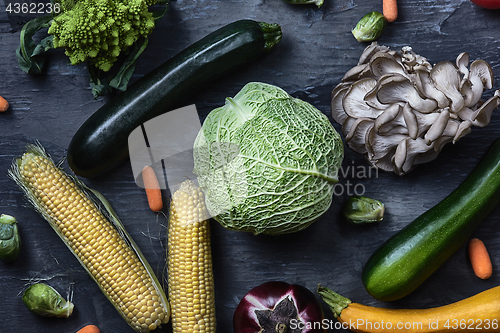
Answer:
(370, 27)
(305, 2)
(361, 210)
(45, 301)
(10, 242)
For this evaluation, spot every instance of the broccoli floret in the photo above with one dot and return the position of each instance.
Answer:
(96, 31)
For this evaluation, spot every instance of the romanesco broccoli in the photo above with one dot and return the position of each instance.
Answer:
(96, 31)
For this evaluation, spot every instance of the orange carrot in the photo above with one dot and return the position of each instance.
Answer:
(480, 259)
(390, 10)
(89, 329)
(152, 189)
(4, 105)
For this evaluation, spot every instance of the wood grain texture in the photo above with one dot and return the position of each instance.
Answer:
(316, 50)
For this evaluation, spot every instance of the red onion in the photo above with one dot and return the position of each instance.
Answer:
(279, 307)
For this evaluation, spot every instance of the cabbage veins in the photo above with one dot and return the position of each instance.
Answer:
(267, 162)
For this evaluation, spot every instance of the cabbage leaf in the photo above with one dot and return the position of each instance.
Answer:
(267, 162)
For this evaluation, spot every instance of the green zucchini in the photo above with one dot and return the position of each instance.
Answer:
(100, 144)
(409, 257)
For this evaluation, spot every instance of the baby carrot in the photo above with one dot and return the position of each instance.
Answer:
(390, 10)
(152, 189)
(480, 259)
(89, 329)
(4, 105)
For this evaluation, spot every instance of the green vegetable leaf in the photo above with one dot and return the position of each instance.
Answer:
(31, 57)
(45, 45)
(100, 87)
(158, 14)
(102, 84)
(120, 81)
(267, 162)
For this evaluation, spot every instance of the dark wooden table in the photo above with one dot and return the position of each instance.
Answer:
(316, 50)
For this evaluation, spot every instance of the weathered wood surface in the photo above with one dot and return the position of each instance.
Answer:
(316, 50)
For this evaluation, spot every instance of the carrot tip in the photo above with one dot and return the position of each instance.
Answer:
(390, 10)
(89, 329)
(152, 187)
(4, 105)
(480, 259)
(390, 19)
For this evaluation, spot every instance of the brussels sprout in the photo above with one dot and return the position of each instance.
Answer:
(10, 241)
(45, 301)
(305, 2)
(370, 27)
(363, 210)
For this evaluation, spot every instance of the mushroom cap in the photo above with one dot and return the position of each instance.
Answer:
(370, 50)
(411, 121)
(446, 78)
(336, 108)
(378, 146)
(425, 121)
(480, 68)
(372, 100)
(413, 61)
(463, 129)
(438, 127)
(398, 88)
(387, 116)
(482, 116)
(426, 87)
(340, 86)
(346, 127)
(356, 73)
(462, 62)
(480, 78)
(356, 137)
(353, 101)
(472, 90)
(384, 63)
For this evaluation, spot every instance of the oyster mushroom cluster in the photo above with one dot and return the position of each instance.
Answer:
(400, 111)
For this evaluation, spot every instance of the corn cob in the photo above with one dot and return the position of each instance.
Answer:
(190, 276)
(105, 249)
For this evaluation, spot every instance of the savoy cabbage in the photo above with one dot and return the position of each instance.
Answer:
(267, 162)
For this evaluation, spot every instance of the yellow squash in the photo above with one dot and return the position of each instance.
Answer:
(479, 313)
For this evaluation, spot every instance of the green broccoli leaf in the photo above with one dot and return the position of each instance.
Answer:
(160, 13)
(100, 87)
(121, 79)
(45, 44)
(30, 56)
(102, 84)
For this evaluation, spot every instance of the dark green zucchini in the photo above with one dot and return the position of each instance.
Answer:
(409, 257)
(100, 144)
